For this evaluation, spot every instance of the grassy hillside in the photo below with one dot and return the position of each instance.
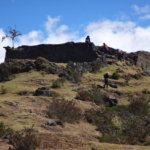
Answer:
(19, 108)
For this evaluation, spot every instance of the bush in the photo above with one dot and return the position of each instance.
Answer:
(76, 76)
(136, 129)
(42, 64)
(93, 95)
(4, 129)
(64, 110)
(137, 76)
(115, 75)
(133, 126)
(127, 79)
(139, 106)
(3, 90)
(24, 140)
(58, 83)
(5, 72)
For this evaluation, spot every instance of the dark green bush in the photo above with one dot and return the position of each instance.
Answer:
(42, 64)
(64, 110)
(5, 72)
(93, 95)
(115, 75)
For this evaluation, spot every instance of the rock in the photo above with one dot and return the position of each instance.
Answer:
(53, 123)
(113, 85)
(11, 104)
(43, 91)
(111, 101)
(2, 114)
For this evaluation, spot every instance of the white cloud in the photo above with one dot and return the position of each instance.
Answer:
(141, 10)
(32, 38)
(145, 17)
(58, 33)
(123, 35)
(6, 42)
(51, 23)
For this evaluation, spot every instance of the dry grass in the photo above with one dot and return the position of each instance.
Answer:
(30, 110)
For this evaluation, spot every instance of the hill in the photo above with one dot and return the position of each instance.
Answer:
(69, 107)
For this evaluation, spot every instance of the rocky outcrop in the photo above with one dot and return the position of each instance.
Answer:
(143, 61)
(75, 52)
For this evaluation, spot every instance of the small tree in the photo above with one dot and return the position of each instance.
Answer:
(12, 33)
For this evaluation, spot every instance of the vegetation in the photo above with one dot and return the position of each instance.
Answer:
(4, 129)
(126, 123)
(132, 126)
(93, 95)
(24, 140)
(64, 110)
(58, 83)
(3, 90)
(116, 76)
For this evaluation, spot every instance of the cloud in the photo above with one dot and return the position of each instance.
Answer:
(6, 42)
(145, 17)
(141, 10)
(51, 23)
(58, 33)
(118, 34)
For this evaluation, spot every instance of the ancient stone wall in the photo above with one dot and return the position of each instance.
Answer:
(76, 52)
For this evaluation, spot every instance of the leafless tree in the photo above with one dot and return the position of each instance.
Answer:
(12, 33)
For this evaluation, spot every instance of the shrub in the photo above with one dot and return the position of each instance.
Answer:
(64, 110)
(115, 75)
(127, 79)
(4, 129)
(24, 92)
(58, 83)
(133, 126)
(5, 72)
(3, 90)
(93, 95)
(139, 106)
(137, 76)
(136, 129)
(41, 64)
(24, 140)
(83, 95)
(146, 91)
(76, 76)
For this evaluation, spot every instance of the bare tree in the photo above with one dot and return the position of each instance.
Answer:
(12, 33)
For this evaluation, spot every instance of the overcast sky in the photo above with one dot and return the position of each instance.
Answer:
(122, 24)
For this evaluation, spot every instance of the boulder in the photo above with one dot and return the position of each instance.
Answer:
(43, 91)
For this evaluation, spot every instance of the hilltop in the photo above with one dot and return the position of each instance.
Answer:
(65, 99)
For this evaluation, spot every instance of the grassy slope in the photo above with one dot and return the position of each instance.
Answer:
(30, 109)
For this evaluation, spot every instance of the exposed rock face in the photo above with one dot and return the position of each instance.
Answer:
(76, 52)
(143, 61)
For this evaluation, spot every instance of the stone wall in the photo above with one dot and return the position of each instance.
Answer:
(76, 52)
